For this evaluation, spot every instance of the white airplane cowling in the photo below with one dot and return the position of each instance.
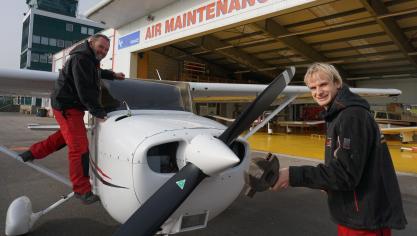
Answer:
(132, 159)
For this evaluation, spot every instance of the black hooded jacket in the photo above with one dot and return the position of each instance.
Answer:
(78, 84)
(358, 174)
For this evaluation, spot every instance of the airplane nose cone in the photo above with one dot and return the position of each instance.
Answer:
(210, 154)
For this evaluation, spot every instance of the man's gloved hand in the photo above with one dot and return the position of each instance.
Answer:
(263, 173)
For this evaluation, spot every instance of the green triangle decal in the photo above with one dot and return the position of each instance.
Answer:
(181, 183)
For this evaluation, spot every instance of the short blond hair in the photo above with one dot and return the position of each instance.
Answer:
(328, 69)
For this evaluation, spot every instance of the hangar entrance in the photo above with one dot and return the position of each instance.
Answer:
(372, 43)
(365, 40)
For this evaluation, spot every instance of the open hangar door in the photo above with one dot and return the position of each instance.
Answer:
(369, 41)
(365, 40)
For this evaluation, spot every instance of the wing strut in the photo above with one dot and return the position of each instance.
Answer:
(272, 115)
(37, 167)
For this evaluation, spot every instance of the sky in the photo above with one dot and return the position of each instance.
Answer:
(11, 17)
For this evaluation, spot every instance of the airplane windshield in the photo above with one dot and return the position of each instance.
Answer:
(145, 95)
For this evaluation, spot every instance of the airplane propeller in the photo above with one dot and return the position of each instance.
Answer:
(257, 107)
(148, 219)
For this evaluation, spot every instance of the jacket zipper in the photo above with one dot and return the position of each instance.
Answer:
(356, 201)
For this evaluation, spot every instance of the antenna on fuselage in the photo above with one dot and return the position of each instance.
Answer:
(129, 112)
(159, 76)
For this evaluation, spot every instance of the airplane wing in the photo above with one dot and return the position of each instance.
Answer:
(222, 92)
(26, 82)
(406, 133)
(398, 130)
(40, 84)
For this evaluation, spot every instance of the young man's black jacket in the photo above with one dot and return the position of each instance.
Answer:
(78, 84)
(358, 174)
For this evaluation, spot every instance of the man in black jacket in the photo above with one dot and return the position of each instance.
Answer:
(76, 90)
(358, 174)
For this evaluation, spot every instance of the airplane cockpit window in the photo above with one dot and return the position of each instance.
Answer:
(143, 95)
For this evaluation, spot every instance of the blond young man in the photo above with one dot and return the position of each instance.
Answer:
(357, 175)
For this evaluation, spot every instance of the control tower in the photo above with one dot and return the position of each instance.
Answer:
(63, 7)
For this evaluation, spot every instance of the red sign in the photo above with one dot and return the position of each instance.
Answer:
(199, 15)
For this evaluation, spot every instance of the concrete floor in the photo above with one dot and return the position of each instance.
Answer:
(295, 211)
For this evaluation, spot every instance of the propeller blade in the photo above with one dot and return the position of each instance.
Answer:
(148, 219)
(257, 107)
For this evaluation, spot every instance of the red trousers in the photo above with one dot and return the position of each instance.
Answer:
(72, 133)
(345, 231)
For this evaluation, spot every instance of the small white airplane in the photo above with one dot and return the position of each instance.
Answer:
(168, 169)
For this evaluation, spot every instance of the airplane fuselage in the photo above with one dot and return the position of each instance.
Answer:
(133, 156)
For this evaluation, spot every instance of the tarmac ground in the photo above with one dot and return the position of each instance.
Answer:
(294, 211)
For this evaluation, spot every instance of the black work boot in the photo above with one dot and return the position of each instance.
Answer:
(27, 156)
(87, 198)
